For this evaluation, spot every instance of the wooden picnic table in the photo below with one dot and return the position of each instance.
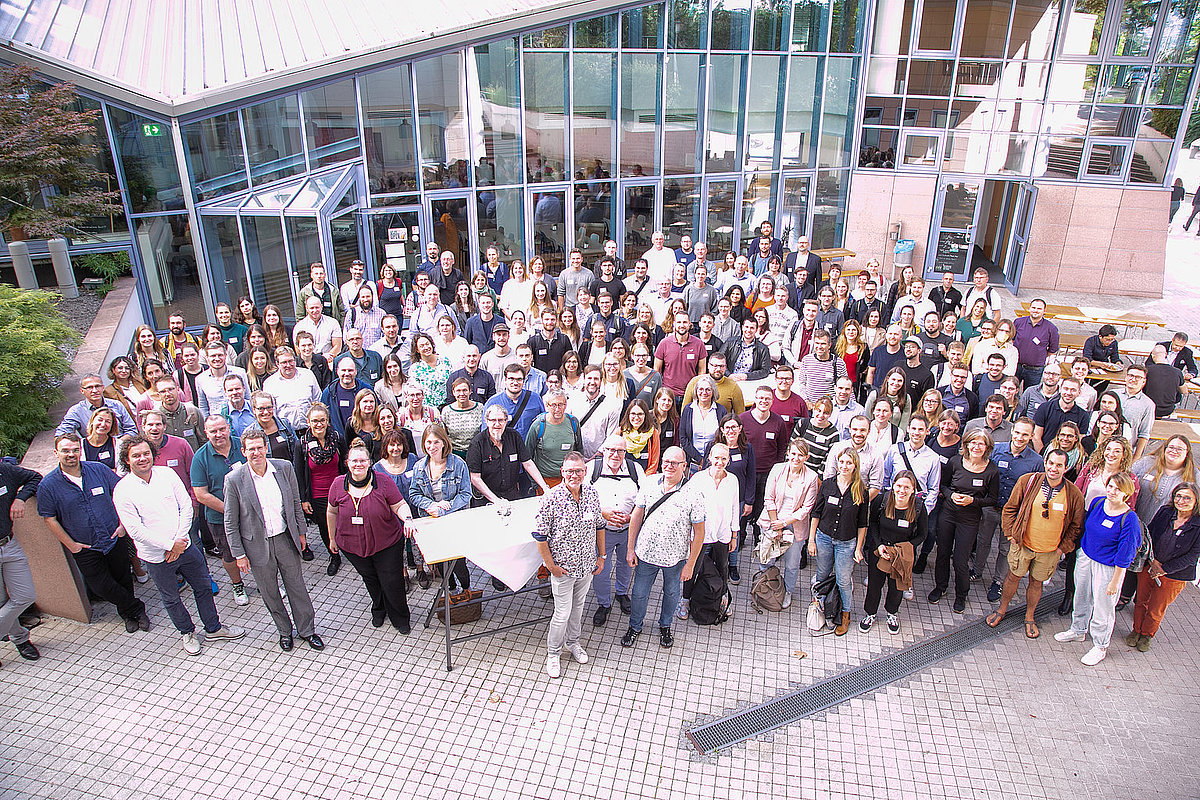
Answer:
(1097, 316)
(1166, 428)
(834, 254)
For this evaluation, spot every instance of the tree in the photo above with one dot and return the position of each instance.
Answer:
(33, 362)
(49, 179)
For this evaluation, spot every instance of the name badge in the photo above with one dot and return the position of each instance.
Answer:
(770, 434)
(1108, 523)
(279, 438)
(691, 356)
(104, 454)
(193, 434)
(1057, 506)
(513, 457)
(977, 482)
(566, 446)
(541, 352)
(903, 523)
(172, 462)
(235, 340)
(99, 490)
(943, 459)
(345, 403)
(312, 445)
(1037, 340)
(736, 457)
(481, 391)
(408, 475)
(786, 418)
(3, 490)
(834, 501)
(1002, 464)
(356, 520)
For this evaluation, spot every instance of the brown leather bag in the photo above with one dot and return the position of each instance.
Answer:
(460, 613)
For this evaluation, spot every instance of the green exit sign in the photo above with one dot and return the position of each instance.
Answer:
(152, 129)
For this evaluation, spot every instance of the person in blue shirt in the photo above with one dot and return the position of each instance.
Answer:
(522, 405)
(212, 462)
(91, 386)
(339, 396)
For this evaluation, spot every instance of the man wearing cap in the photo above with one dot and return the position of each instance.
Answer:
(918, 376)
(500, 355)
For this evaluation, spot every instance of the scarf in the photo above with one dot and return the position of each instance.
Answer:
(636, 441)
(323, 455)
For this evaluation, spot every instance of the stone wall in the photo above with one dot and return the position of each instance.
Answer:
(879, 198)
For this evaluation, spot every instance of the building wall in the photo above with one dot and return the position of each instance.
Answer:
(879, 198)
(1108, 240)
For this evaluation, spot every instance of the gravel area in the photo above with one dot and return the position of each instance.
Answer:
(79, 314)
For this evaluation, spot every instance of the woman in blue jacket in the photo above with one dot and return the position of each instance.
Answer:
(1111, 537)
(441, 485)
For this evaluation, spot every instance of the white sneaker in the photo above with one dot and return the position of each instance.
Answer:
(226, 633)
(682, 611)
(191, 645)
(908, 594)
(553, 667)
(578, 653)
(239, 594)
(1069, 635)
(787, 600)
(1094, 656)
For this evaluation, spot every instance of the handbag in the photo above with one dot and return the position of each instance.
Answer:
(460, 613)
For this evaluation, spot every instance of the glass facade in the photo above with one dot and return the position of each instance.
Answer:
(697, 116)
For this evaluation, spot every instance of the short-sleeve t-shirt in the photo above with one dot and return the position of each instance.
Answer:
(681, 362)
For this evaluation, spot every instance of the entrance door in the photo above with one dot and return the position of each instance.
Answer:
(551, 227)
(1023, 221)
(451, 221)
(956, 217)
(271, 281)
(344, 243)
(394, 235)
(639, 202)
(720, 221)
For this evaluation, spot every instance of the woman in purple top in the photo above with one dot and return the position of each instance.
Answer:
(364, 518)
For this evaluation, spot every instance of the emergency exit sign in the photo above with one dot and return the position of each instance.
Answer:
(152, 129)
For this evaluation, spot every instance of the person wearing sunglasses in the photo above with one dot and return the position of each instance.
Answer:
(1042, 521)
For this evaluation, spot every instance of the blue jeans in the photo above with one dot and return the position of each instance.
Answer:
(643, 578)
(836, 557)
(791, 562)
(616, 545)
(192, 568)
(1030, 375)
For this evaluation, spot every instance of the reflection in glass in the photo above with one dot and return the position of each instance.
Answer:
(113, 226)
(1024, 80)
(451, 228)
(343, 233)
(642, 28)
(937, 25)
(169, 257)
(977, 78)
(924, 113)
(958, 204)
(1113, 121)
(886, 75)
(893, 28)
(1064, 156)
(687, 28)
(1123, 84)
(879, 148)
(837, 117)
(545, 116)
(680, 208)
(501, 220)
(1137, 28)
(953, 248)
(1180, 33)
(305, 244)
(1034, 25)
(388, 130)
(798, 147)
(214, 150)
(793, 211)
(772, 23)
(442, 122)
(550, 228)
(1012, 155)
(595, 217)
(1084, 26)
(331, 123)
(730, 24)
(1169, 86)
(921, 150)
(639, 220)
(725, 81)
(404, 256)
(274, 141)
(829, 209)
(718, 231)
(681, 137)
(594, 113)
(985, 25)
(597, 32)
(932, 78)
(1106, 160)
(881, 110)
(270, 278)
(641, 113)
(758, 203)
(1159, 123)
(1066, 118)
(551, 37)
(148, 161)
(1150, 161)
(224, 247)
(763, 118)
(845, 29)
(499, 95)
(965, 152)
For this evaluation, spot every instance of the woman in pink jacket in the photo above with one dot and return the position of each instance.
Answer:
(791, 494)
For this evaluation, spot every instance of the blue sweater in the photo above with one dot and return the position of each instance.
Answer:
(1112, 541)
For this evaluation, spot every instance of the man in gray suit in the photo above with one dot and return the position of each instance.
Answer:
(265, 527)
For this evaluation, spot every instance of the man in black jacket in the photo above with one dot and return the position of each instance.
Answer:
(748, 358)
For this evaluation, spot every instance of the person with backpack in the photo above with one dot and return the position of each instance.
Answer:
(839, 528)
(552, 435)
(616, 476)
(896, 524)
(1112, 535)
(722, 497)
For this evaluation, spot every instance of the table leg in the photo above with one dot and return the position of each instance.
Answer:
(446, 608)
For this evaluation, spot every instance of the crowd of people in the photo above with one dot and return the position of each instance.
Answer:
(685, 414)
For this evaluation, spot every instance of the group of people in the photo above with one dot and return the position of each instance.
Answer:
(679, 416)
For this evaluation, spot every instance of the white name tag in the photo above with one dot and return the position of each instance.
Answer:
(408, 475)
(903, 523)
(566, 446)
(1037, 340)
(235, 340)
(279, 438)
(356, 520)
(541, 352)
(3, 490)
(99, 490)
(1108, 523)
(104, 454)
(193, 434)
(771, 434)
(513, 457)
(172, 462)
(312, 445)
(691, 356)
(943, 459)
(786, 418)
(481, 391)
(1057, 506)
(345, 404)
(835, 501)
(1002, 464)
(977, 482)
(736, 457)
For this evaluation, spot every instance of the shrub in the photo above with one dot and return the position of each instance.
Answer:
(33, 362)
(107, 266)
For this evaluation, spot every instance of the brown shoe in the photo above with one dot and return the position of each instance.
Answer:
(843, 626)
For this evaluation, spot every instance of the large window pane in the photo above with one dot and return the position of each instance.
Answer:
(551, 228)
(642, 28)
(837, 118)
(1034, 25)
(331, 123)
(451, 229)
(549, 38)
(810, 24)
(274, 142)
(893, 27)
(270, 278)
(224, 247)
(1024, 80)
(758, 203)
(878, 149)
(1180, 33)
(984, 28)
(793, 211)
(305, 242)
(932, 78)
(798, 148)
(730, 24)
(845, 28)
(681, 209)
(594, 114)
(720, 221)
(681, 114)
(598, 32)
(148, 161)
(442, 122)
(829, 209)
(1066, 118)
(388, 128)
(1136, 28)
(1011, 155)
(595, 215)
(1123, 84)
(1084, 26)
(937, 25)
(501, 218)
(772, 24)
(1063, 157)
(763, 118)
(688, 25)
(725, 82)
(214, 149)
(639, 220)
(545, 116)
(113, 226)
(172, 278)
(1150, 160)
(641, 113)
(1169, 86)
(1075, 83)
(495, 87)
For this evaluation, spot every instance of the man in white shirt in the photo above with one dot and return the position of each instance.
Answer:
(210, 384)
(921, 305)
(660, 301)
(661, 260)
(980, 289)
(500, 356)
(598, 415)
(616, 479)
(294, 388)
(349, 290)
(639, 282)
(156, 512)
(326, 333)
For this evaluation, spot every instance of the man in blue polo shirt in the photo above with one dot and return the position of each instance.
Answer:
(1014, 458)
(76, 502)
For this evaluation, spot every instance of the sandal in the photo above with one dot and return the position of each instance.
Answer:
(994, 619)
(1031, 630)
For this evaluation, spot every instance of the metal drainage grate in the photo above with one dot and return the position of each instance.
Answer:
(792, 707)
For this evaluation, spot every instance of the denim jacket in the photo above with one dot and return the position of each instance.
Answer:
(456, 485)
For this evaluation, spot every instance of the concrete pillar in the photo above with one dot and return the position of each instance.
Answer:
(22, 265)
(62, 268)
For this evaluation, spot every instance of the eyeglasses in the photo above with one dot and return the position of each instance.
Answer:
(676, 462)
(576, 471)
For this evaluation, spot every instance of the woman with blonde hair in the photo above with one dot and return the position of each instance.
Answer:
(259, 367)
(839, 529)
(970, 483)
(540, 300)
(517, 291)
(791, 493)
(145, 346)
(364, 422)
(854, 353)
(100, 443)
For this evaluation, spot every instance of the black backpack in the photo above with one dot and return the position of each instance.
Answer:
(710, 595)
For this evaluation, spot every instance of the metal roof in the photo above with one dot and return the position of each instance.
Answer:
(184, 55)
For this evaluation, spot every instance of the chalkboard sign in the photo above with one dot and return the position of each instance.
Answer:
(951, 253)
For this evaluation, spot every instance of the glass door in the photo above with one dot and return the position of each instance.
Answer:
(344, 243)
(639, 203)
(1023, 221)
(551, 226)
(720, 220)
(395, 237)
(792, 221)
(450, 218)
(955, 219)
(271, 281)
(680, 209)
